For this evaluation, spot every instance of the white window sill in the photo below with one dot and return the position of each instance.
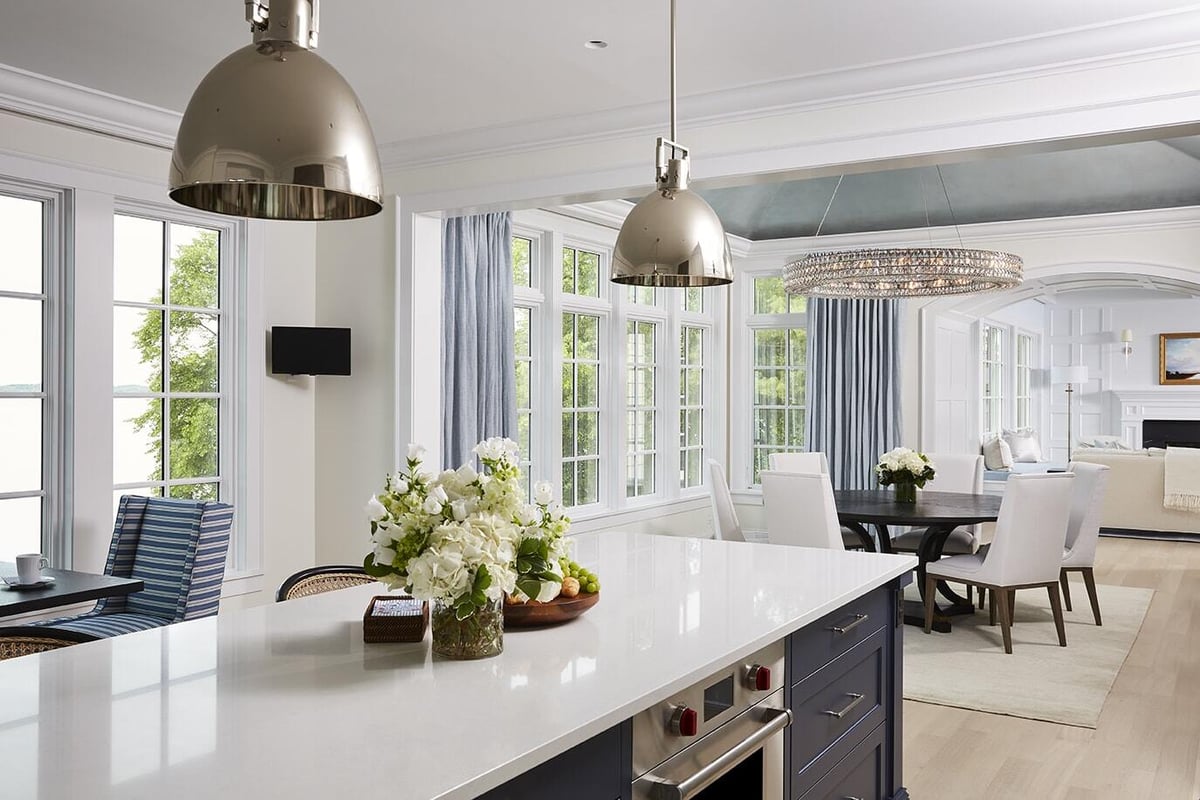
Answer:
(610, 518)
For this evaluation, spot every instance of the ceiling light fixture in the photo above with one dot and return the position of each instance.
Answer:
(273, 131)
(595, 44)
(878, 272)
(672, 237)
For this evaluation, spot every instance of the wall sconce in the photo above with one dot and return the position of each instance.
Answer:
(1126, 344)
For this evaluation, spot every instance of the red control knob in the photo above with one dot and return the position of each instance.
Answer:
(758, 678)
(685, 722)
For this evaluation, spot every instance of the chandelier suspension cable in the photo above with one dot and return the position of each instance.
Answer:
(949, 205)
(925, 202)
(829, 205)
(674, 113)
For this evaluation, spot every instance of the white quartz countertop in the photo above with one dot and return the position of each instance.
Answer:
(286, 700)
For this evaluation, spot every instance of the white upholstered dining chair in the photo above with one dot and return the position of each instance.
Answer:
(800, 509)
(811, 463)
(955, 472)
(1026, 553)
(725, 521)
(1083, 531)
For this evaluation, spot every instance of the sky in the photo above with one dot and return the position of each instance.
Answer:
(1183, 355)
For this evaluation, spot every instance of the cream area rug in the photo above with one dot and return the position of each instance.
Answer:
(968, 668)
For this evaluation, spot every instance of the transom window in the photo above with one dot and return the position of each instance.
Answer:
(641, 379)
(167, 387)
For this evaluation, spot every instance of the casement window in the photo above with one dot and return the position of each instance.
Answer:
(1024, 380)
(777, 340)
(169, 399)
(32, 344)
(619, 375)
(991, 340)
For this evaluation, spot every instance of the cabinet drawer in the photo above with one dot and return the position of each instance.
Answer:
(824, 640)
(836, 707)
(858, 776)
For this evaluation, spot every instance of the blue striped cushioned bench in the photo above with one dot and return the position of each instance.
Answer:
(178, 548)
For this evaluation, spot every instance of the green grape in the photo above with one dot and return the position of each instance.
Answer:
(592, 588)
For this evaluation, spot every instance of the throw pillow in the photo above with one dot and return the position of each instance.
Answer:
(1110, 443)
(997, 455)
(1026, 449)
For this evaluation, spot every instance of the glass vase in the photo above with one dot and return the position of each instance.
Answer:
(480, 635)
(906, 492)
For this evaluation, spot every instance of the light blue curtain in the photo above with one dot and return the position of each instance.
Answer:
(853, 393)
(478, 365)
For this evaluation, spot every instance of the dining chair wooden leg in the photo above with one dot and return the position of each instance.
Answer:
(970, 597)
(1056, 606)
(1012, 606)
(991, 593)
(1002, 599)
(1089, 580)
(930, 600)
(982, 597)
(1066, 589)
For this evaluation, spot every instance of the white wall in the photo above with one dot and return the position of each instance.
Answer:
(1147, 321)
(285, 259)
(355, 414)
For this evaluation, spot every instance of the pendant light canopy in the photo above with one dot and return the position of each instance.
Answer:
(672, 237)
(273, 131)
(885, 272)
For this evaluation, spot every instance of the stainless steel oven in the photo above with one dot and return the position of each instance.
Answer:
(720, 738)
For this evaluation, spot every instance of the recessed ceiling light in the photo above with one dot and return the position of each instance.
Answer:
(595, 44)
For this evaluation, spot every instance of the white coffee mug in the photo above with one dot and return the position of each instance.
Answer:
(29, 567)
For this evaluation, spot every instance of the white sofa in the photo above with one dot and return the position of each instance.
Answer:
(1134, 501)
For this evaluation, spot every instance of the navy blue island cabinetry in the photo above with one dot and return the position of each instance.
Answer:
(843, 681)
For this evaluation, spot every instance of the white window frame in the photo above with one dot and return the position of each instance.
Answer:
(745, 322)
(1004, 397)
(532, 297)
(1031, 421)
(55, 534)
(552, 232)
(227, 258)
(90, 198)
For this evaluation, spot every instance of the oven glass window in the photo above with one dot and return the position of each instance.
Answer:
(718, 697)
(741, 783)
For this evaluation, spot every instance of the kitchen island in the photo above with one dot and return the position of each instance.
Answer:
(286, 700)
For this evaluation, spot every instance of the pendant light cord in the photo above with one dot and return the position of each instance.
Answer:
(829, 205)
(953, 218)
(674, 134)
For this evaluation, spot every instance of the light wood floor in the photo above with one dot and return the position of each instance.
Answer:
(1147, 744)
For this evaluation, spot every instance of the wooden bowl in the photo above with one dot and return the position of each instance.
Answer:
(557, 611)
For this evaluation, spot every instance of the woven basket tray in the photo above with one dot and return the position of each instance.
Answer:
(395, 618)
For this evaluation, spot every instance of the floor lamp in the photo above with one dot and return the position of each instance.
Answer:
(1071, 376)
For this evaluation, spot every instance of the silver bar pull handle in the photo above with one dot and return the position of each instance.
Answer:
(855, 699)
(774, 719)
(859, 619)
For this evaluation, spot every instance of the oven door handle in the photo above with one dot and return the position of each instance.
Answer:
(774, 721)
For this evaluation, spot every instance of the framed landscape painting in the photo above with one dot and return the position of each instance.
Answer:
(1179, 359)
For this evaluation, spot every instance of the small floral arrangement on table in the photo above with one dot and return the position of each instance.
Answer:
(907, 470)
(467, 540)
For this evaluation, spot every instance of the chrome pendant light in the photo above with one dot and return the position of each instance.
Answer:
(672, 237)
(273, 131)
(884, 272)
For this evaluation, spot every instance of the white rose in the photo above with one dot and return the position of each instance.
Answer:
(400, 486)
(467, 474)
(543, 493)
(556, 511)
(527, 515)
(459, 509)
(431, 506)
(439, 494)
(375, 510)
(415, 451)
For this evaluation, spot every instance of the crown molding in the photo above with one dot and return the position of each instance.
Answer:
(993, 232)
(42, 97)
(1128, 41)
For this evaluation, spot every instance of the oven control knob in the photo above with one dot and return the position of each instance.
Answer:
(758, 678)
(685, 721)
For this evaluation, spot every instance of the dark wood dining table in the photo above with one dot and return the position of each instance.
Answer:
(939, 513)
(69, 587)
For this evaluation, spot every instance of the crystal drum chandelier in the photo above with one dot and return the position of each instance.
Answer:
(883, 272)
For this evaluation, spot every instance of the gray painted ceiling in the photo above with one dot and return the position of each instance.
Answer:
(1121, 177)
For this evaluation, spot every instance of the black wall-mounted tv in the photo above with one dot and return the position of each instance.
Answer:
(310, 351)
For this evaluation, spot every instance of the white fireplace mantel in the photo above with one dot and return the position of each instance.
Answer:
(1132, 407)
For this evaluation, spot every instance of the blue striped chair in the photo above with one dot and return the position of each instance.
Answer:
(177, 548)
